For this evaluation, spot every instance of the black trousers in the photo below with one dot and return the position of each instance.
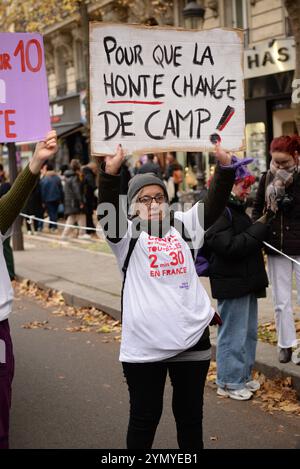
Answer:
(146, 383)
(6, 377)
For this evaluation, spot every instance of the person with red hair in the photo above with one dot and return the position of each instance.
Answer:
(279, 191)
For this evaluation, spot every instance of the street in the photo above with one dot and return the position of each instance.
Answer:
(69, 392)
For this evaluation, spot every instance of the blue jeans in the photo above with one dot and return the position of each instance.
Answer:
(237, 338)
(52, 209)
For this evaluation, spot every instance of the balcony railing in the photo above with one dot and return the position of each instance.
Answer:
(62, 89)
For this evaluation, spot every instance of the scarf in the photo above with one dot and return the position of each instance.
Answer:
(281, 180)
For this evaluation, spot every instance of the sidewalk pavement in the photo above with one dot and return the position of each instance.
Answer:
(88, 277)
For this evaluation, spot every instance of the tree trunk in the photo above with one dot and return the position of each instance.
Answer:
(84, 17)
(293, 9)
(17, 237)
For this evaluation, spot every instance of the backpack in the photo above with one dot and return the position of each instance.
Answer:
(202, 263)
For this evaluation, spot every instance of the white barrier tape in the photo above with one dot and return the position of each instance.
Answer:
(32, 217)
(282, 253)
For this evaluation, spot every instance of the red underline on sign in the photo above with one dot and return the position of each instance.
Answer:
(153, 103)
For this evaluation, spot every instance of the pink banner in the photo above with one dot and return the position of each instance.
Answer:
(24, 102)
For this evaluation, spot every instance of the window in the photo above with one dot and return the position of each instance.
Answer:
(256, 147)
(235, 16)
(61, 70)
(238, 10)
(288, 27)
(289, 128)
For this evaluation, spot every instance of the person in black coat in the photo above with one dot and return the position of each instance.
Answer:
(89, 186)
(34, 206)
(238, 277)
(74, 200)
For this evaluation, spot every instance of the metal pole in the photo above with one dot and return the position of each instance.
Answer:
(200, 171)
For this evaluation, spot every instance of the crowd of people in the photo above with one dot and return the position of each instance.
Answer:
(166, 312)
(69, 194)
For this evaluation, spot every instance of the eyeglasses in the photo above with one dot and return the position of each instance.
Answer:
(147, 199)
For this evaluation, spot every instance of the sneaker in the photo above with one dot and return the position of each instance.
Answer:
(238, 394)
(285, 355)
(253, 385)
(296, 356)
(85, 236)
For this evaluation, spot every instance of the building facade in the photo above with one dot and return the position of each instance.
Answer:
(269, 62)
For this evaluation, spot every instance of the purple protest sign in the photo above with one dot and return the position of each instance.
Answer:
(24, 102)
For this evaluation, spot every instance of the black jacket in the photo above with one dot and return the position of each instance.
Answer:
(73, 190)
(285, 228)
(236, 264)
(89, 187)
(34, 204)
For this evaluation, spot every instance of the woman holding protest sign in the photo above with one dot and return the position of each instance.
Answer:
(166, 311)
(10, 206)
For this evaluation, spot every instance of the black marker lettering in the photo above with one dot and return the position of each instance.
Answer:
(201, 121)
(147, 130)
(109, 50)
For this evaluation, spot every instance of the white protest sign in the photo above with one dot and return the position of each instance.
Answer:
(159, 89)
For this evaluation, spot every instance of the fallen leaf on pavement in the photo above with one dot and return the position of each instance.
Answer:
(89, 318)
(36, 325)
(276, 395)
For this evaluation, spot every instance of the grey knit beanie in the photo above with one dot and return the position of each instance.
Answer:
(141, 180)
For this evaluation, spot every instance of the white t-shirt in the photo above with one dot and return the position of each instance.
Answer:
(165, 307)
(6, 290)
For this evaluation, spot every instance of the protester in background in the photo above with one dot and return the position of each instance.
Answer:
(150, 166)
(52, 194)
(166, 311)
(279, 190)
(173, 176)
(61, 208)
(2, 174)
(137, 166)
(4, 184)
(34, 207)
(10, 206)
(89, 186)
(63, 168)
(74, 201)
(237, 277)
